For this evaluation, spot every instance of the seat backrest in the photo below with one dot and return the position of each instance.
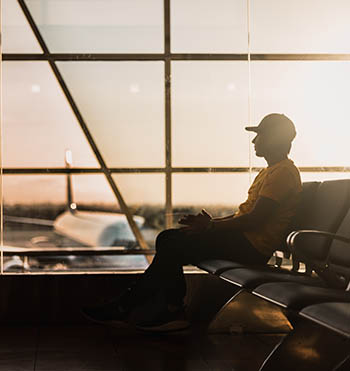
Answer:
(326, 211)
(305, 205)
(339, 253)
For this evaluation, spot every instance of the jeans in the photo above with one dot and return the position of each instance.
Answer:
(176, 248)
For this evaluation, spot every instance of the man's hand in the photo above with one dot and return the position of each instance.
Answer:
(199, 221)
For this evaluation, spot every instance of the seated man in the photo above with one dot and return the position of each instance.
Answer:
(249, 236)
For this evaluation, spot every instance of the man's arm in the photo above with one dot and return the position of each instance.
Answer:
(227, 217)
(264, 208)
(201, 220)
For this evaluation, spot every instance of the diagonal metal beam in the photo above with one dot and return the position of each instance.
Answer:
(84, 127)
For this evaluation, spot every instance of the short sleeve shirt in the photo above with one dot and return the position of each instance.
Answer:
(281, 183)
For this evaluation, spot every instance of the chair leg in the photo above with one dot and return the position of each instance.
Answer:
(308, 347)
(344, 365)
(245, 312)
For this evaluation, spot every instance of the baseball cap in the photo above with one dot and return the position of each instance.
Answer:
(275, 124)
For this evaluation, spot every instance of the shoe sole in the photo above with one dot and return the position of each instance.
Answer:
(166, 327)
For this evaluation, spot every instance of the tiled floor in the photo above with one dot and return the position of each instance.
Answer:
(98, 348)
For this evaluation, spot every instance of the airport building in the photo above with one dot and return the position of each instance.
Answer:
(120, 117)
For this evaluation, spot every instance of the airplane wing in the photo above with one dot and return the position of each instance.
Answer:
(25, 220)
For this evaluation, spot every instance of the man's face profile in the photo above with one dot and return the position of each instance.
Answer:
(261, 144)
(267, 143)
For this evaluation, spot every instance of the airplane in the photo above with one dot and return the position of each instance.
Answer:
(87, 228)
(94, 228)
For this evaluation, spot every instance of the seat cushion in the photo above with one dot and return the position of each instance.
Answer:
(217, 266)
(335, 316)
(295, 296)
(250, 278)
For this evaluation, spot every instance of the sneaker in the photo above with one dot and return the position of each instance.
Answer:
(108, 314)
(114, 313)
(167, 321)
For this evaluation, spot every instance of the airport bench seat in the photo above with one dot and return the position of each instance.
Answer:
(323, 207)
(217, 266)
(322, 217)
(327, 307)
(333, 315)
(250, 278)
(332, 265)
(321, 326)
(319, 341)
(295, 296)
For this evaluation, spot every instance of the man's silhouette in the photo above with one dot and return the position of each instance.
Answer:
(249, 236)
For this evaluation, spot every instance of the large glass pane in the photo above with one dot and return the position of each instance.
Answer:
(17, 36)
(315, 96)
(38, 124)
(298, 26)
(93, 191)
(123, 105)
(36, 215)
(34, 189)
(31, 204)
(206, 26)
(100, 26)
(145, 196)
(209, 113)
(220, 194)
(143, 193)
(324, 175)
(138, 188)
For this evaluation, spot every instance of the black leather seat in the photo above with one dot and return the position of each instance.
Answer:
(217, 266)
(335, 316)
(295, 296)
(250, 278)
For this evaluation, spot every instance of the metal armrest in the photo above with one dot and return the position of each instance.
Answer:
(320, 267)
(291, 239)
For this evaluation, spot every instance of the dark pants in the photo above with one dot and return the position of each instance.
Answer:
(176, 248)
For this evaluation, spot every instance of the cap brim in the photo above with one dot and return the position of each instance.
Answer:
(252, 128)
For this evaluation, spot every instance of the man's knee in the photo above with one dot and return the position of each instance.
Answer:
(166, 238)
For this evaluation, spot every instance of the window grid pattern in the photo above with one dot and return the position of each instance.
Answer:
(167, 57)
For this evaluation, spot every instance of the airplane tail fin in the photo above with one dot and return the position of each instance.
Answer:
(71, 205)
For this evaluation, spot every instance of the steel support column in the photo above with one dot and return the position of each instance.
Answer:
(168, 142)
